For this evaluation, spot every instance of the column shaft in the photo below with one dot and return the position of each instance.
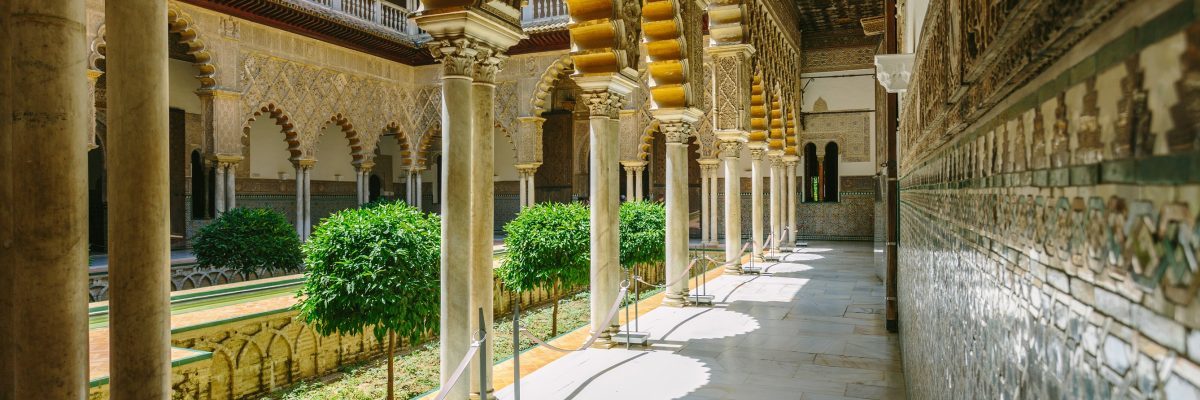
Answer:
(6, 203)
(138, 201)
(231, 187)
(483, 96)
(521, 183)
(420, 199)
(756, 203)
(677, 223)
(714, 208)
(629, 184)
(456, 312)
(604, 230)
(705, 216)
(733, 213)
(49, 339)
(637, 182)
(530, 191)
(776, 206)
(219, 188)
(307, 202)
(300, 201)
(791, 204)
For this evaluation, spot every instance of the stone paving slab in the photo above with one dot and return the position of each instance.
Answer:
(809, 328)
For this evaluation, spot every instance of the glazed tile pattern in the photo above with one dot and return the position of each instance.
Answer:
(1050, 250)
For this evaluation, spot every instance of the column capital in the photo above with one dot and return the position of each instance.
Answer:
(365, 166)
(676, 131)
(304, 163)
(603, 103)
(458, 56)
(731, 149)
(634, 163)
(757, 154)
(487, 63)
(226, 160)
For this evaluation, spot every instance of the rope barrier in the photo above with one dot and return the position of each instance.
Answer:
(462, 367)
(612, 312)
(686, 271)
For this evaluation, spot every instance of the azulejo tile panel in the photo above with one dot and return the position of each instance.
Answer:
(1052, 250)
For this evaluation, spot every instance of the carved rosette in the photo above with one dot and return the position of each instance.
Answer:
(676, 131)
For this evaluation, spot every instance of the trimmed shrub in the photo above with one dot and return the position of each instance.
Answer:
(643, 233)
(374, 268)
(548, 248)
(248, 241)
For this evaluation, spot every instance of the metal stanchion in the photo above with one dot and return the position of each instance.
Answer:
(517, 348)
(483, 364)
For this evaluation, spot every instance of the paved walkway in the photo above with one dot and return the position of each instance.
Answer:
(810, 328)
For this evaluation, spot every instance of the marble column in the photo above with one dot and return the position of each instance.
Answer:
(638, 183)
(308, 219)
(218, 187)
(756, 202)
(629, 189)
(733, 205)
(49, 85)
(714, 228)
(6, 204)
(522, 188)
(139, 242)
(358, 186)
(705, 172)
(677, 133)
(231, 186)
(299, 200)
(419, 200)
(791, 200)
(458, 64)
(776, 204)
(611, 167)
(482, 158)
(531, 191)
(603, 105)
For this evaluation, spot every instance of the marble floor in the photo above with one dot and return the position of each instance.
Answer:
(809, 328)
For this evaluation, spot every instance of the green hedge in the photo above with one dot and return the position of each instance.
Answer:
(248, 241)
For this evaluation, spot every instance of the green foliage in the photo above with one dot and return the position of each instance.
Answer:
(643, 233)
(249, 240)
(374, 267)
(547, 243)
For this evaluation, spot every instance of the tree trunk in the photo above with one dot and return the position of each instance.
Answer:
(554, 311)
(391, 377)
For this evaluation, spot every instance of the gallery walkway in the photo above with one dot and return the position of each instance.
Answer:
(811, 327)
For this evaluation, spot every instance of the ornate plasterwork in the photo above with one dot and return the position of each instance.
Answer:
(851, 131)
(676, 131)
(706, 137)
(541, 93)
(602, 103)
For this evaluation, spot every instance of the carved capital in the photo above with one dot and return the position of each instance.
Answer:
(603, 103)
(487, 63)
(458, 56)
(894, 71)
(757, 154)
(731, 149)
(676, 131)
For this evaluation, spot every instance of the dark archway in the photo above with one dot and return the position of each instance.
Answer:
(199, 187)
(830, 174)
(374, 185)
(97, 198)
(811, 173)
(177, 182)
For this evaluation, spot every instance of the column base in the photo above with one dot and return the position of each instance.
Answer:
(735, 268)
(604, 341)
(675, 300)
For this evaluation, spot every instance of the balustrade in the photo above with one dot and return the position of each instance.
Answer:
(386, 14)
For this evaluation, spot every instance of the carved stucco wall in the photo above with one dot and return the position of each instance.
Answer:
(1048, 243)
(838, 59)
(851, 132)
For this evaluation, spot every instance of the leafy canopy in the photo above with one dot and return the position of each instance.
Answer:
(643, 232)
(248, 240)
(376, 266)
(547, 243)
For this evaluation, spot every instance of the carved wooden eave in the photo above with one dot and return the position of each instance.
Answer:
(604, 36)
(674, 52)
(726, 24)
(894, 71)
(758, 114)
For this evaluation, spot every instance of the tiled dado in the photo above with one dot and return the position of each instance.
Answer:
(1048, 248)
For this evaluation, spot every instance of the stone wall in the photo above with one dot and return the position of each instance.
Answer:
(1049, 232)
